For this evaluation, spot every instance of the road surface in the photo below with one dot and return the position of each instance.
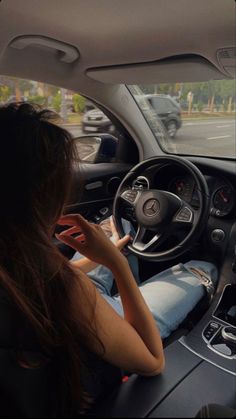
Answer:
(211, 137)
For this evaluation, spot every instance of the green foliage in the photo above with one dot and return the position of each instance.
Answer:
(4, 93)
(79, 103)
(203, 91)
(39, 100)
(225, 105)
(25, 85)
(56, 101)
(200, 106)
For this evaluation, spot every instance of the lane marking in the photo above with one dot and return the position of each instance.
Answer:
(204, 123)
(221, 136)
(222, 126)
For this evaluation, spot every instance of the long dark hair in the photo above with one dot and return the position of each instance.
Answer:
(36, 173)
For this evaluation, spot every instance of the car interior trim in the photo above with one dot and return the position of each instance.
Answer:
(205, 358)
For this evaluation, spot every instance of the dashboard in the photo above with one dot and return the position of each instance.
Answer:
(175, 180)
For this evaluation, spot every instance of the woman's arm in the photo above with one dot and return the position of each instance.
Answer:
(132, 343)
(86, 265)
(126, 345)
(136, 311)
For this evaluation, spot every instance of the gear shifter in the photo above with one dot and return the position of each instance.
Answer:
(229, 334)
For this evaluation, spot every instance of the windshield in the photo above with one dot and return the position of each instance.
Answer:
(191, 118)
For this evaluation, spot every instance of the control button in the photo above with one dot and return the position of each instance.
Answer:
(212, 211)
(217, 235)
(130, 195)
(185, 215)
(211, 330)
(104, 210)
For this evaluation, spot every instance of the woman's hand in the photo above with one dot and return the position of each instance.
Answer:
(109, 229)
(92, 243)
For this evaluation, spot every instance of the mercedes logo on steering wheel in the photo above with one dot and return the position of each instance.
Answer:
(151, 207)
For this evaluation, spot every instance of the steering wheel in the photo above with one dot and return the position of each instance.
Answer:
(159, 214)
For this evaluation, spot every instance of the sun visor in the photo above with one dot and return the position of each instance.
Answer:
(175, 69)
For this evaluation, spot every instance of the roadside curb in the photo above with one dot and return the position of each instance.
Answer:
(71, 125)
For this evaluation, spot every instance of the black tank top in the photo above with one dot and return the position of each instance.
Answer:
(33, 392)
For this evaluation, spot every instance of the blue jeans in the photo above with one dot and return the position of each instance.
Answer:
(170, 295)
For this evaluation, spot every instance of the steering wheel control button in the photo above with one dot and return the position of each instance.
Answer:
(217, 235)
(211, 329)
(184, 215)
(130, 195)
(151, 207)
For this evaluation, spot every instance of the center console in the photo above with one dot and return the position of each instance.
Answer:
(214, 338)
(220, 334)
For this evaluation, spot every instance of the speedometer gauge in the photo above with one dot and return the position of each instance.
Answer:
(223, 200)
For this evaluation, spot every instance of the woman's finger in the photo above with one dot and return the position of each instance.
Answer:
(72, 230)
(75, 243)
(68, 219)
(113, 229)
(74, 220)
(123, 242)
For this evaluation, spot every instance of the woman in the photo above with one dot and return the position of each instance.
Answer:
(58, 310)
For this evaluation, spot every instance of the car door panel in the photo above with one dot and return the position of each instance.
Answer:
(97, 183)
(92, 196)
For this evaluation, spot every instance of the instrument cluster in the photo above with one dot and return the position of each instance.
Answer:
(222, 194)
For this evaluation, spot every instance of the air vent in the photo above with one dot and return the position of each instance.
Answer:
(141, 183)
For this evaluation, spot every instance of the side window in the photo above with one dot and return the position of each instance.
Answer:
(77, 114)
(168, 105)
(159, 104)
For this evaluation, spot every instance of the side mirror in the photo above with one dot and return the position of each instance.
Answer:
(101, 148)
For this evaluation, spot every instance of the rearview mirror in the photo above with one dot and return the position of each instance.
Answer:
(101, 148)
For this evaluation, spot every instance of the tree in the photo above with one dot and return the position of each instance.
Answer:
(4, 93)
(56, 101)
(79, 103)
(63, 110)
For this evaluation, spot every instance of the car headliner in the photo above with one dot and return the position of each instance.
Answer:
(112, 33)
